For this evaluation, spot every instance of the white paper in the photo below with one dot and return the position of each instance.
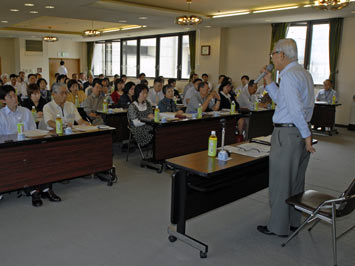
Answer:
(250, 149)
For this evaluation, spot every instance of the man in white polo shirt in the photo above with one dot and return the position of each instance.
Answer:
(60, 106)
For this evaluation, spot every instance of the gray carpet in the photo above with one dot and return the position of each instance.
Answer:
(126, 225)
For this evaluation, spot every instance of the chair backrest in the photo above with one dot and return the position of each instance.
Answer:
(348, 206)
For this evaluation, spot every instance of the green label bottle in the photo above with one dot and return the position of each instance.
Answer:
(34, 113)
(105, 106)
(59, 125)
(156, 115)
(199, 111)
(334, 99)
(76, 101)
(212, 144)
(233, 108)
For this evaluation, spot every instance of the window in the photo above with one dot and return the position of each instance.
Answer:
(312, 40)
(147, 53)
(165, 55)
(99, 59)
(129, 58)
(186, 67)
(168, 57)
(116, 58)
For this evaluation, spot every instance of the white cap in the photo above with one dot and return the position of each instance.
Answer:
(213, 132)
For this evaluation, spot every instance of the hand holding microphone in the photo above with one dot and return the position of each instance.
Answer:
(266, 70)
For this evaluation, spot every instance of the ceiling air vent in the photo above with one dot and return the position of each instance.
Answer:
(34, 46)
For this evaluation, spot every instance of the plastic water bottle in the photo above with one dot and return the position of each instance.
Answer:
(59, 125)
(76, 101)
(256, 106)
(20, 128)
(233, 108)
(34, 113)
(273, 105)
(199, 111)
(105, 106)
(212, 144)
(156, 115)
(334, 99)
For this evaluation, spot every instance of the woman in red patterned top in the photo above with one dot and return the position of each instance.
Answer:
(119, 84)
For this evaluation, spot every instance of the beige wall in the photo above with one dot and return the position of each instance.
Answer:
(346, 76)
(7, 54)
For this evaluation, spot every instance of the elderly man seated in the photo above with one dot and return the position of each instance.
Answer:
(10, 116)
(326, 94)
(207, 101)
(60, 106)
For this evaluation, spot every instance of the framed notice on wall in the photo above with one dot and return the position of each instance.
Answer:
(205, 49)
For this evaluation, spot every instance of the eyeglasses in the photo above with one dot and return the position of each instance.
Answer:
(276, 52)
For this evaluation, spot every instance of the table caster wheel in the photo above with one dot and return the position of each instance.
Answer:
(109, 183)
(203, 255)
(172, 239)
(143, 165)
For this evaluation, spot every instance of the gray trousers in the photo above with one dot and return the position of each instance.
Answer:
(287, 168)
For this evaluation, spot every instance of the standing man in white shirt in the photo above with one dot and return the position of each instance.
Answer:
(60, 106)
(62, 70)
(291, 141)
(156, 94)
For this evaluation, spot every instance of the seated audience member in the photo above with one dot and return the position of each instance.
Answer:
(261, 89)
(38, 76)
(34, 99)
(118, 91)
(220, 79)
(61, 79)
(46, 94)
(247, 96)
(168, 104)
(208, 101)
(31, 79)
(74, 76)
(12, 113)
(94, 102)
(9, 117)
(227, 95)
(128, 93)
(115, 77)
(5, 78)
(124, 77)
(177, 96)
(245, 81)
(193, 76)
(141, 77)
(74, 91)
(101, 76)
(205, 79)
(13, 82)
(326, 94)
(82, 78)
(88, 83)
(140, 108)
(22, 84)
(144, 82)
(155, 94)
(106, 90)
(193, 90)
(60, 106)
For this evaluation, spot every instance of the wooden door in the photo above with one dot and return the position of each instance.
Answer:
(72, 65)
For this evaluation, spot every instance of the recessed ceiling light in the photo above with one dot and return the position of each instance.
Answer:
(208, 26)
(29, 4)
(14, 10)
(122, 21)
(4, 21)
(49, 7)
(34, 12)
(143, 17)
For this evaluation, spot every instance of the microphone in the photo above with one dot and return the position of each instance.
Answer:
(269, 68)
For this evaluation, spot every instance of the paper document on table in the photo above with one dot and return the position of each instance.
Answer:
(84, 128)
(262, 140)
(250, 149)
(167, 115)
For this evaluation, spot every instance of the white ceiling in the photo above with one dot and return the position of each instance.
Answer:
(160, 14)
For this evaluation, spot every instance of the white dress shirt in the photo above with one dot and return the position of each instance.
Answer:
(192, 91)
(155, 97)
(62, 70)
(10, 119)
(69, 113)
(246, 100)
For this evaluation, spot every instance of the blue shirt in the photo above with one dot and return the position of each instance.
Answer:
(9, 120)
(326, 96)
(294, 97)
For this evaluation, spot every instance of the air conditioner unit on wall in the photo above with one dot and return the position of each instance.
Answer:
(34, 46)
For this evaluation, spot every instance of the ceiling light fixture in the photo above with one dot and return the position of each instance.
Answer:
(34, 12)
(14, 10)
(143, 18)
(122, 21)
(49, 7)
(275, 9)
(237, 13)
(331, 4)
(132, 28)
(93, 32)
(188, 20)
(29, 4)
(4, 21)
(50, 38)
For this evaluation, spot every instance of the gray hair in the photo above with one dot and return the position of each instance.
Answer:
(288, 47)
(56, 87)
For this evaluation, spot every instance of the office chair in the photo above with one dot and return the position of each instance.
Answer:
(324, 207)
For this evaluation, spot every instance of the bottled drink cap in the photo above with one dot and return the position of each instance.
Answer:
(213, 132)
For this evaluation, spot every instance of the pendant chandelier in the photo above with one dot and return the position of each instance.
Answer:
(331, 4)
(188, 20)
(92, 32)
(50, 38)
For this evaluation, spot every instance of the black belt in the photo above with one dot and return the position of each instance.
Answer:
(284, 125)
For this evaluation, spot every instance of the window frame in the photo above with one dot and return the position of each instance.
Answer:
(157, 54)
(309, 34)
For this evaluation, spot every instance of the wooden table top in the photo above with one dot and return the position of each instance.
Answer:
(200, 163)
